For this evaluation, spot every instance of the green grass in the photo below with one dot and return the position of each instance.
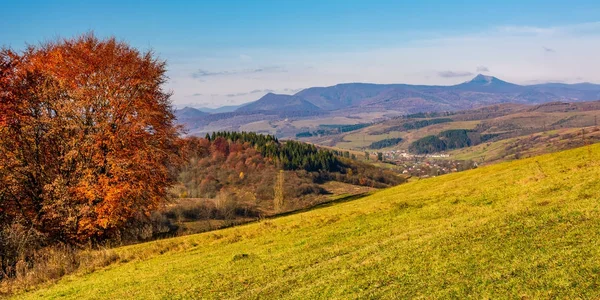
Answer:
(527, 228)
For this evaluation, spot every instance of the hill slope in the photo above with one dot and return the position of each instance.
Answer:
(528, 228)
(493, 123)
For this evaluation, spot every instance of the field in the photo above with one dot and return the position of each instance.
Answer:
(523, 229)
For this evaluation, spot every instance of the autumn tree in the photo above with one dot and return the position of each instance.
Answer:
(87, 139)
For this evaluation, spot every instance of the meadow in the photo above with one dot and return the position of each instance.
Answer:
(529, 228)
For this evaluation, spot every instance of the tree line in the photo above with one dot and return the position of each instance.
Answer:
(385, 143)
(448, 140)
(290, 155)
(331, 129)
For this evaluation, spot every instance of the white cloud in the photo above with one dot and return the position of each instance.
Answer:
(482, 69)
(244, 57)
(452, 74)
(514, 30)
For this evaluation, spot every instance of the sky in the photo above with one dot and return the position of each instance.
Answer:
(228, 52)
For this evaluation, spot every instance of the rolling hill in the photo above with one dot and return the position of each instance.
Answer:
(494, 123)
(523, 229)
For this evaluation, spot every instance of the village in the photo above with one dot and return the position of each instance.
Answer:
(425, 165)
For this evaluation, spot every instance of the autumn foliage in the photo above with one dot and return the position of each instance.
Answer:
(87, 139)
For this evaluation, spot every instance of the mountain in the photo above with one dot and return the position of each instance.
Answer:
(277, 102)
(342, 95)
(490, 84)
(189, 113)
(368, 102)
(584, 86)
(479, 91)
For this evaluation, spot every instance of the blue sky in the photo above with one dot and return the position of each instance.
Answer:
(229, 52)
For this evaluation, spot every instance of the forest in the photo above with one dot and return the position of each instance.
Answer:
(251, 162)
(331, 129)
(445, 140)
(385, 143)
(450, 139)
(424, 123)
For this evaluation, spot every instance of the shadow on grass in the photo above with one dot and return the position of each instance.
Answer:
(297, 211)
(347, 198)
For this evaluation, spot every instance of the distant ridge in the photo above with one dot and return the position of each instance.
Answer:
(221, 109)
(189, 113)
(480, 90)
(346, 99)
(277, 102)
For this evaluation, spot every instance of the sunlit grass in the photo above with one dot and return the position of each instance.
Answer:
(527, 228)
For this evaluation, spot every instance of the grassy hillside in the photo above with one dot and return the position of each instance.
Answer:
(528, 228)
(529, 145)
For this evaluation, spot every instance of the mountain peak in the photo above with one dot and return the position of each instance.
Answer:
(271, 95)
(484, 79)
(189, 112)
(487, 83)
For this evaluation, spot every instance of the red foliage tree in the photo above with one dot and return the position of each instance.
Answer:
(87, 138)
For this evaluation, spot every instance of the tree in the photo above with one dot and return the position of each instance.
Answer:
(278, 200)
(87, 139)
(379, 156)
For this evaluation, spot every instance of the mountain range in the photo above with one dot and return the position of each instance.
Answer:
(356, 98)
